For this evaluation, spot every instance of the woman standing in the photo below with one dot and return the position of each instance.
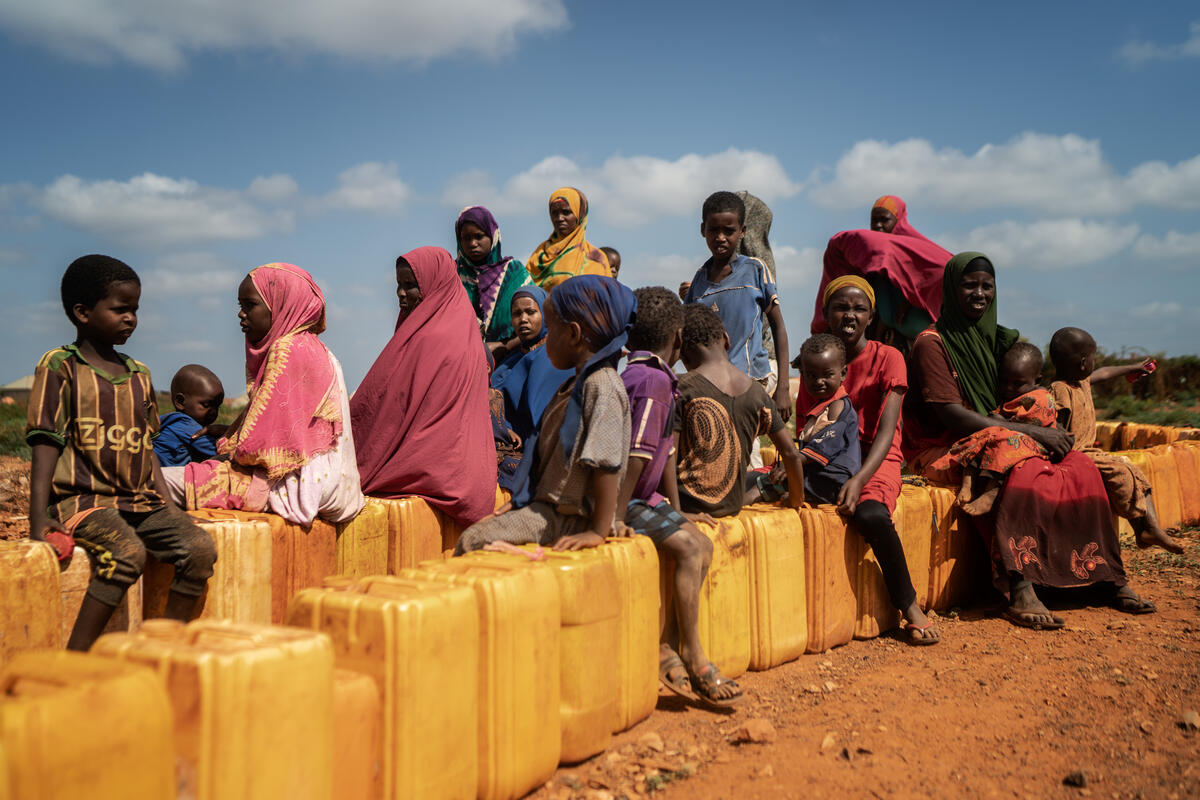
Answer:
(489, 278)
(567, 252)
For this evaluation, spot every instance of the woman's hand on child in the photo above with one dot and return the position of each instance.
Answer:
(1057, 442)
(579, 541)
(847, 499)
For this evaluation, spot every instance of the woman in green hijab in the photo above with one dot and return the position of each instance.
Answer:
(1051, 525)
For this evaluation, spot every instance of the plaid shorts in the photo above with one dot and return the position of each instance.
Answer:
(657, 522)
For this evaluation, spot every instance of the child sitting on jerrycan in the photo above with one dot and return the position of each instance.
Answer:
(92, 419)
(1073, 352)
(565, 488)
(649, 495)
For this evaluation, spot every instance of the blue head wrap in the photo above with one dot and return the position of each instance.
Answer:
(538, 295)
(604, 310)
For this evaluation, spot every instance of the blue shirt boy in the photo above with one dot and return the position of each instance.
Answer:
(175, 446)
(740, 300)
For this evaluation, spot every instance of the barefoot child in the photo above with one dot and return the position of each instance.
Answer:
(188, 433)
(982, 460)
(740, 289)
(722, 413)
(1073, 352)
(650, 497)
(91, 420)
(566, 489)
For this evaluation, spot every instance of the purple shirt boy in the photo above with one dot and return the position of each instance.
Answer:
(653, 392)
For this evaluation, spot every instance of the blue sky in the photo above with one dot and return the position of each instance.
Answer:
(196, 140)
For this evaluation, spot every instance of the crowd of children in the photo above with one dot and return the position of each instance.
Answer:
(503, 372)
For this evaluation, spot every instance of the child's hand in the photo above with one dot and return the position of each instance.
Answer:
(622, 531)
(847, 499)
(41, 524)
(783, 400)
(700, 518)
(579, 541)
(683, 289)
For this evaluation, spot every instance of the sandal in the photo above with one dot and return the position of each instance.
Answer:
(1129, 602)
(681, 686)
(707, 683)
(920, 640)
(1021, 618)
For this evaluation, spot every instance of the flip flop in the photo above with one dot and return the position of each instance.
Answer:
(681, 686)
(709, 681)
(1018, 619)
(922, 640)
(1133, 604)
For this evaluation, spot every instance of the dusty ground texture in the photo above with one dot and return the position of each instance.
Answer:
(14, 498)
(993, 711)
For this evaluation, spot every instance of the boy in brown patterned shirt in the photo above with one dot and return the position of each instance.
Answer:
(92, 416)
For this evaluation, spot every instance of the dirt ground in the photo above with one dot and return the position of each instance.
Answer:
(993, 711)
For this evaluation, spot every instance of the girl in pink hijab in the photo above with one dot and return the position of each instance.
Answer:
(291, 450)
(422, 423)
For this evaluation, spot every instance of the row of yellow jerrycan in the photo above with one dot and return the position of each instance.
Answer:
(534, 662)
(1115, 435)
(1174, 474)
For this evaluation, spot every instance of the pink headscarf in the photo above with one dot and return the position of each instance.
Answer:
(421, 421)
(910, 261)
(294, 412)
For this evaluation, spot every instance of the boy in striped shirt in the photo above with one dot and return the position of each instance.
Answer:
(92, 418)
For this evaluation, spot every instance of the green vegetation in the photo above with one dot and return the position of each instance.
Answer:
(12, 431)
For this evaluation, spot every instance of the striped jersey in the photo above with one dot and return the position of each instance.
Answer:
(104, 425)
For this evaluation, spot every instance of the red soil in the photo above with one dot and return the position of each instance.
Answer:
(993, 711)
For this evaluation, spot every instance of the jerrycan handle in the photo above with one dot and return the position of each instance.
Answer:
(221, 633)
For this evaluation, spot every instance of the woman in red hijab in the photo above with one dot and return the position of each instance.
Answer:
(421, 420)
(903, 267)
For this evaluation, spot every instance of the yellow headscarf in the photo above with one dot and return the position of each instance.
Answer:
(557, 259)
(848, 280)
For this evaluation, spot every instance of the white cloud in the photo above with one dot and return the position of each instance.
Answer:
(155, 210)
(798, 269)
(273, 188)
(1175, 246)
(628, 191)
(1156, 309)
(162, 35)
(371, 186)
(8, 256)
(1138, 52)
(1038, 172)
(1054, 243)
(192, 274)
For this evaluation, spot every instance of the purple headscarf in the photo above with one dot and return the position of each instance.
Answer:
(489, 276)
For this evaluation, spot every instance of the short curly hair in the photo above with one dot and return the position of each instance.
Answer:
(87, 280)
(1023, 352)
(819, 343)
(720, 202)
(659, 316)
(701, 326)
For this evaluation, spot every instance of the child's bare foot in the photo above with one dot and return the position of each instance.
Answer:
(921, 629)
(1152, 535)
(1028, 611)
